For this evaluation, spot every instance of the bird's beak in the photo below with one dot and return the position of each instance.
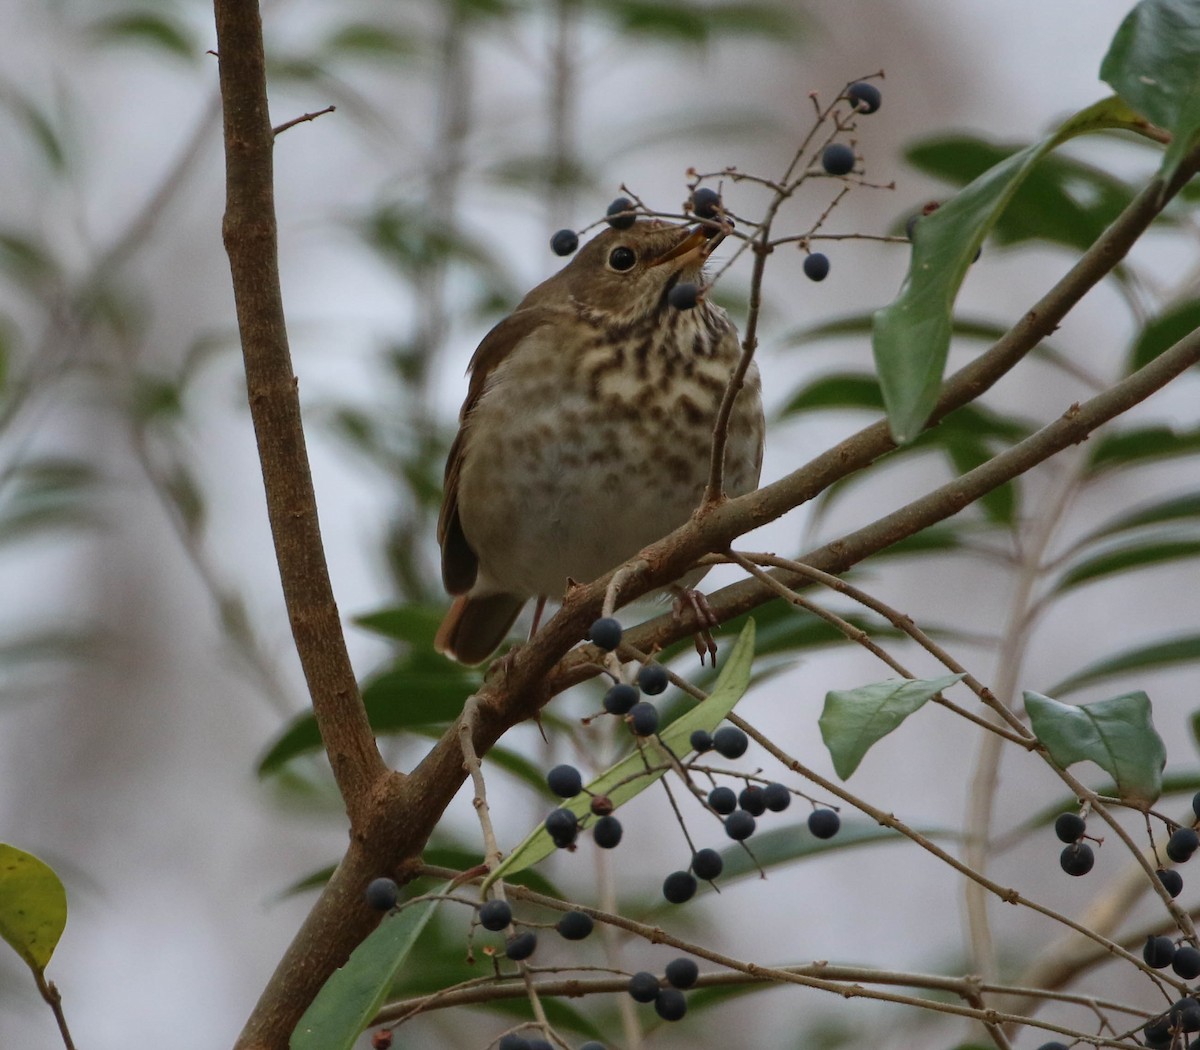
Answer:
(693, 249)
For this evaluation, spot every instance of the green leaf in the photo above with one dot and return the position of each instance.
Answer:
(1176, 508)
(369, 40)
(1182, 650)
(1136, 554)
(1151, 64)
(33, 906)
(841, 390)
(912, 335)
(1130, 448)
(1117, 734)
(1163, 332)
(353, 994)
(855, 719)
(148, 27)
(629, 777)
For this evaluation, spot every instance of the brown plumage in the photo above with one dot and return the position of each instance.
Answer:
(586, 430)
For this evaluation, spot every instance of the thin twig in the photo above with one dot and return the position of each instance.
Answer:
(279, 129)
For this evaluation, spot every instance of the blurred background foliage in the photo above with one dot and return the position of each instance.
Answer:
(142, 605)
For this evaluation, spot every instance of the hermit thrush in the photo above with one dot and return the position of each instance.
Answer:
(587, 429)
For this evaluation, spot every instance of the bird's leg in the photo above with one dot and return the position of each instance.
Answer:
(537, 615)
(706, 620)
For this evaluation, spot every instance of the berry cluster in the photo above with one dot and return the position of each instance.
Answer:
(516, 1041)
(669, 1001)
(1077, 857)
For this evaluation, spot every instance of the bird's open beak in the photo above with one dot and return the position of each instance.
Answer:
(692, 250)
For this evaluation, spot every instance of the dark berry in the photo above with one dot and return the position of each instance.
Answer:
(564, 781)
(1158, 952)
(575, 925)
(864, 97)
(564, 242)
(620, 698)
(563, 826)
(539, 1044)
(1157, 1033)
(1182, 844)
(1053, 1045)
(706, 203)
(615, 219)
(495, 915)
(723, 800)
(652, 679)
(684, 296)
(679, 886)
(701, 741)
(1069, 827)
(739, 825)
(605, 632)
(1077, 859)
(643, 718)
(607, 832)
(707, 864)
(670, 1004)
(521, 945)
(777, 797)
(513, 1041)
(1171, 879)
(1186, 962)
(753, 800)
(382, 894)
(816, 266)
(838, 159)
(730, 742)
(824, 823)
(1185, 1015)
(682, 972)
(1196, 804)
(643, 987)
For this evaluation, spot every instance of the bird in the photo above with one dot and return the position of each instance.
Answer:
(587, 428)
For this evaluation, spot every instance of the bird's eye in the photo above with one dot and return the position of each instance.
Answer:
(621, 259)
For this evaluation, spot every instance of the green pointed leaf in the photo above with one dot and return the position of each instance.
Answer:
(1163, 332)
(1117, 734)
(33, 906)
(912, 335)
(1126, 557)
(629, 778)
(1131, 447)
(855, 719)
(1182, 650)
(353, 994)
(149, 27)
(841, 390)
(1151, 64)
(1176, 508)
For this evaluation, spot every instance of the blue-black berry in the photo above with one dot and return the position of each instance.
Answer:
(838, 159)
(643, 987)
(1185, 1014)
(722, 800)
(1186, 962)
(605, 632)
(521, 946)
(865, 97)
(682, 972)
(824, 823)
(620, 699)
(495, 915)
(777, 797)
(564, 242)
(1053, 1045)
(1158, 952)
(679, 886)
(513, 1041)
(816, 266)
(670, 1004)
(575, 925)
(1182, 844)
(539, 1044)
(701, 741)
(730, 742)
(565, 781)
(562, 826)
(739, 825)
(753, 800)
(643, 718)
(1069, 827)
(382, 894)
(1157, 1032)
(684, 295)
(1196, 804)
(617, 220)
(1077, 859)
(1171, 879)
(707, 864)
(652, 679)
(705, 203)
(607, 832)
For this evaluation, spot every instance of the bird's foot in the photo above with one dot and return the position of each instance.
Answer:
(706, 620)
